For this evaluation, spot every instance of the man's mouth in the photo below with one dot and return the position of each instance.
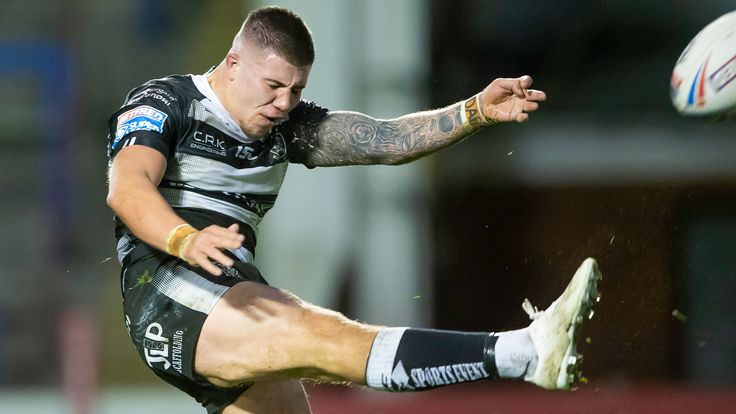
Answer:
(275, 120)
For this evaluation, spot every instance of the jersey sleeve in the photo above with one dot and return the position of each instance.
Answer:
(301, 130)
(150, 116)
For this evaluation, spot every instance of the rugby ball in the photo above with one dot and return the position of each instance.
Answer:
(704, 78)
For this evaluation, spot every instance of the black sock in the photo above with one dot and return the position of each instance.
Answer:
(404, 359)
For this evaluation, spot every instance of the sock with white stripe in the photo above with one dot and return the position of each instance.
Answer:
(403, 359)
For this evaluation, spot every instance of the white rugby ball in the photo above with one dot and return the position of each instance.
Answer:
(704, 79)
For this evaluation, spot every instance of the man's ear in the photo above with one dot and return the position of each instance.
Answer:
(232, 64)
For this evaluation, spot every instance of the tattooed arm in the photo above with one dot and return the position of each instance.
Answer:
(352, 138)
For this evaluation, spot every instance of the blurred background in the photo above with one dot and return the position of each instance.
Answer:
(455, 241)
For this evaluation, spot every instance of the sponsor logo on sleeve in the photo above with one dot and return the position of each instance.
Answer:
(158, 94)
(140, 118)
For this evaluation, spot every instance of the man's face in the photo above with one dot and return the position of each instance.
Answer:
(263, 89)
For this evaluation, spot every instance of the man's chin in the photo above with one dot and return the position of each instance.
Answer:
(258, 132)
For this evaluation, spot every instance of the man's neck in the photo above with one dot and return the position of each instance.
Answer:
(214, 78)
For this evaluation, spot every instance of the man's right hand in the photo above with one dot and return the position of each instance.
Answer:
(206, 246)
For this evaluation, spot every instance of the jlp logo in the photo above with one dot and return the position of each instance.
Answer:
(155, 346)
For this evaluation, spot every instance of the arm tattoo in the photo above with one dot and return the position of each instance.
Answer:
(350, 138)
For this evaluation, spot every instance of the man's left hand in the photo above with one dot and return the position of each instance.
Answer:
(510, 99)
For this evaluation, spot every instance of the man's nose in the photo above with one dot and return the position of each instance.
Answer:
(285, 101)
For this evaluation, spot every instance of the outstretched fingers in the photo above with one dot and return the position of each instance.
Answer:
(510, 99)
(206, 246)
(535, 95)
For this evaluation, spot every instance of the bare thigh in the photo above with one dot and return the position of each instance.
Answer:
(260, 333)
(272, 397)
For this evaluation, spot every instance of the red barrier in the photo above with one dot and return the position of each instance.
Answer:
(503, 398)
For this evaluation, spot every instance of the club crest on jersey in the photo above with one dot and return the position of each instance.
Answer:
(279, 147)
(140, 118)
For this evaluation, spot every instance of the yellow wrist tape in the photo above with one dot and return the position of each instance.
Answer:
(177, 238)
(473, 115)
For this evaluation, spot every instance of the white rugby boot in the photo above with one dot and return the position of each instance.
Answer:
(554, 332)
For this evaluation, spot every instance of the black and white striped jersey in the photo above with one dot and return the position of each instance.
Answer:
(212, 165)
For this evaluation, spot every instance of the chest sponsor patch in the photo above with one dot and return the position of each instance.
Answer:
(140, 118)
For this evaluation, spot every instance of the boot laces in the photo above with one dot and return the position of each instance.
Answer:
(531, 310)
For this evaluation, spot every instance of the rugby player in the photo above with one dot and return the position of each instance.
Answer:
(195, 163)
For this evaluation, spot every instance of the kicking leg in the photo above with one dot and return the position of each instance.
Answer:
(259, 333)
